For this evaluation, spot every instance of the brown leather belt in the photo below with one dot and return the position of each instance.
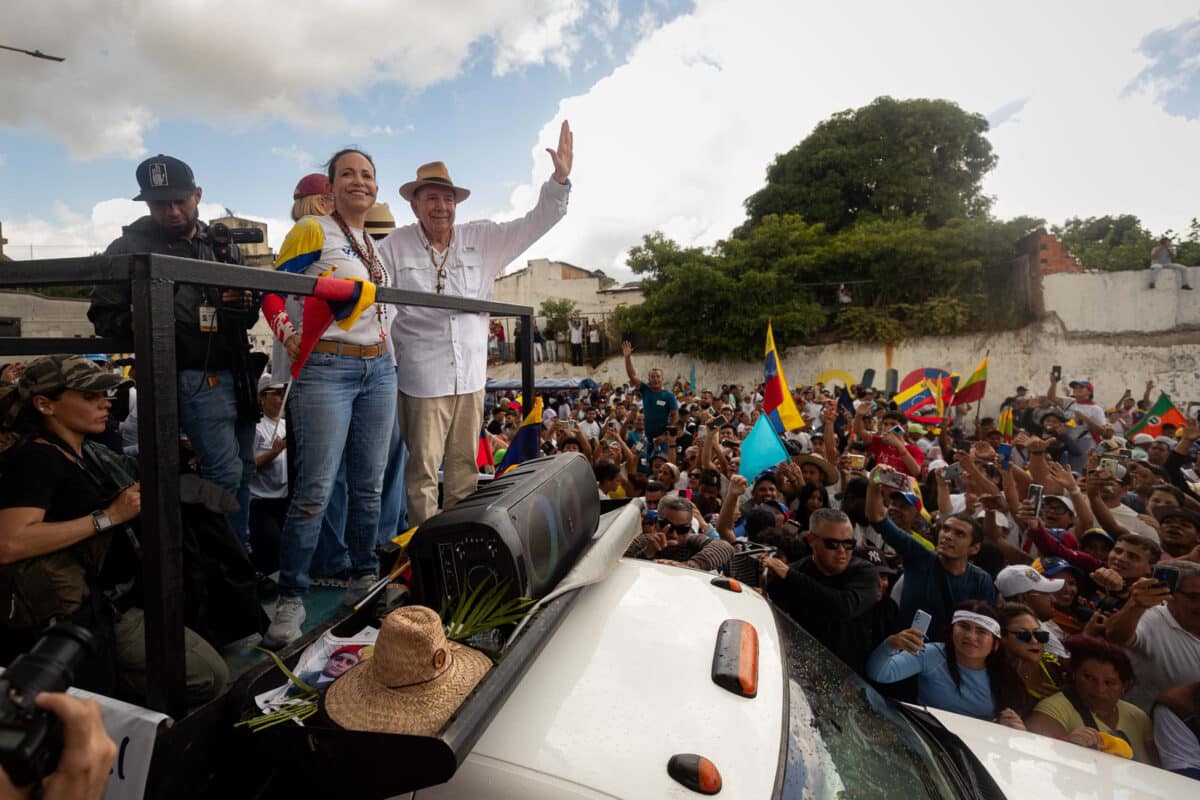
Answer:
(351, 350)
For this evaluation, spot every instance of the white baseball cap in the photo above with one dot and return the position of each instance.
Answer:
(1019, 579)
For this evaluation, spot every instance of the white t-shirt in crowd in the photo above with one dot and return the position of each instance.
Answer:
(271, 480)
(1163, 655)
(1177, 745)
(590, 429)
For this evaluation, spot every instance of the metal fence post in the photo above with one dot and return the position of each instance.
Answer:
(158, 444)
(526, 356)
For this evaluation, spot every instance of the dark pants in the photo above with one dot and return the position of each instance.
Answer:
(266, 529)
(577, 354)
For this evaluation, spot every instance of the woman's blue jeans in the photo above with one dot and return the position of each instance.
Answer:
(340, 407)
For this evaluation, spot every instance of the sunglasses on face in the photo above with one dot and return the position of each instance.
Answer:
(833, 544)
(680, 530)
(1025, 637)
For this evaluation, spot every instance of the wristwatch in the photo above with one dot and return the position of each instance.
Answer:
(101, 520)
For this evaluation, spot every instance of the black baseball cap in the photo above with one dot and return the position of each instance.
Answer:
(162, 177)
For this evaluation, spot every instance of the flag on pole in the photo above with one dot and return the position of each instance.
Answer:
(974, 387)
(527, 444)
(761, 449)
(914, 398)
(1163, 412)
(1004, 424)
(845, 407)
(778, 404)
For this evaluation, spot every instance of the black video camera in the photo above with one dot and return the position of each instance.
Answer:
(225, 241)
(31, 740)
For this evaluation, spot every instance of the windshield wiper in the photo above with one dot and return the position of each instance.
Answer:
(968, 774)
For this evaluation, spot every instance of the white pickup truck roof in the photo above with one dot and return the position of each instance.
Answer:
(624, 684)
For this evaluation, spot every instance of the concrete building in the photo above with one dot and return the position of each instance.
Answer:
(595, 294)
(3, 242)
(28, 314)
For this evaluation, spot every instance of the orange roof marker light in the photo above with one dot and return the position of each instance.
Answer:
(735, 658)
(695, 772)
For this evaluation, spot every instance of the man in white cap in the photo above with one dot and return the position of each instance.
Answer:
(1024, 584)
(441, 354)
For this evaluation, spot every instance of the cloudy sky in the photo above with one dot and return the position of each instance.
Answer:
(678, 107)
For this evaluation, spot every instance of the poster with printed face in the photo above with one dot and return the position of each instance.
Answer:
(323, 662)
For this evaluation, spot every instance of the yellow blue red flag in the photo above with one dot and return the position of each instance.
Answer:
(778, 404)
(527, 444)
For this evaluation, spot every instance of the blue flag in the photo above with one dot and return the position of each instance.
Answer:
(761, 449)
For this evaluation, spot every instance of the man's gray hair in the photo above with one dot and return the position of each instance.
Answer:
(824, 516)
(674, 503)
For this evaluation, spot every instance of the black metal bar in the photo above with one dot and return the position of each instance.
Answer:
(37, 346)
(110, 269)
(66, 271)
(186, 270)
(158, 445)
(526, 356)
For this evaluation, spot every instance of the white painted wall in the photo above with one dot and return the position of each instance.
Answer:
(1022, 357)
(1114, 302)
(46, 316)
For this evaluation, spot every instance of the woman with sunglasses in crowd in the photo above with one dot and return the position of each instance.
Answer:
(1089, 710)
(1024, 646)
(69, 507)
(343, 401)
(967, 674)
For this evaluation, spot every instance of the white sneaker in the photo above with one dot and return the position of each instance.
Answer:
(357, 588)
(285, 627)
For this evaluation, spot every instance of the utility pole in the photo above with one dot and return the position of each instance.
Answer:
(34, 53)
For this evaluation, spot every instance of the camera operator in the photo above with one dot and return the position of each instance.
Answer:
(87, 755)
(218, 403)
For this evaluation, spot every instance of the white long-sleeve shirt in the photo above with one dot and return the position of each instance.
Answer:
(440, 352)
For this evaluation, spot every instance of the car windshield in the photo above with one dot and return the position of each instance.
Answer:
(844, 740)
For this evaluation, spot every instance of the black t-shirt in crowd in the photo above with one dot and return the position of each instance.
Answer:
(38, 475)
(835, 609)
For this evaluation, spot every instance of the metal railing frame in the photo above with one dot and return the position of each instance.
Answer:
(152, 280)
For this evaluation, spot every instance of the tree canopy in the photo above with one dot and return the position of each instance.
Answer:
(890, 159)
(1121, 242)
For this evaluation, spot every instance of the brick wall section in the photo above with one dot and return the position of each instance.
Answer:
(1053, 258)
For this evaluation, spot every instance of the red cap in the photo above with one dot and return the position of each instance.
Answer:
(316, 183)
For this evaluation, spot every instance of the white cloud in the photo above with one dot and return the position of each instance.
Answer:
(69, 233)
(680, 135)
(364, 132)
(302, 158)
(235, 64)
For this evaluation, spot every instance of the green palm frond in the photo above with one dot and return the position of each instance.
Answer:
(299, 708)
(483, 609)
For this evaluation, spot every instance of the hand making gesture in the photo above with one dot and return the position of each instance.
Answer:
(564, 156)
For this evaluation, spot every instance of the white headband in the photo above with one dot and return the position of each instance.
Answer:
(987, 623)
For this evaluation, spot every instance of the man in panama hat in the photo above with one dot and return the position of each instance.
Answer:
(441, 354)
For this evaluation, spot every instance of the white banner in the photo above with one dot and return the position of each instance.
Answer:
(134, 729)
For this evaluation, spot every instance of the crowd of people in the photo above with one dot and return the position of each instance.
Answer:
(1050, 583)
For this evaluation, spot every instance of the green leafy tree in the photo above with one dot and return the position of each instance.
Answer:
(556, 312)
(1111, 242)
(890, 159)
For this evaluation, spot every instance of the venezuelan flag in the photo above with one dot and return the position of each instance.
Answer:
(527, 444)
(914, 398)
(778, 404)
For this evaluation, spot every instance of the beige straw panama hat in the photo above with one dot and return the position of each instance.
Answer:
(414, 681)
(433, 174)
